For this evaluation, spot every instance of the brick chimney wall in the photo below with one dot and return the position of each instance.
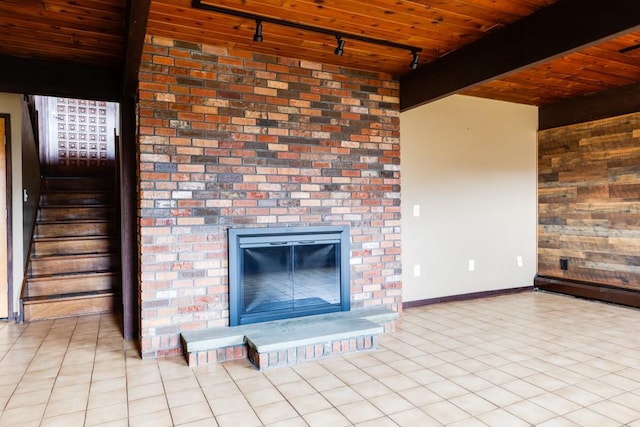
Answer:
(240, 139)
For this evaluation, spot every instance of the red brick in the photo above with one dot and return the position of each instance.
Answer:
(214, 154)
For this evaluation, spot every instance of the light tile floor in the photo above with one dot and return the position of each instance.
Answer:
(517, 360)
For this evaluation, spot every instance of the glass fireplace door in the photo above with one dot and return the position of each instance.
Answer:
(278, 273)
(316, 275)
(267, 280)
(282, 279)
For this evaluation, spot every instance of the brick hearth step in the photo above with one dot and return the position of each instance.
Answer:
(290, 341)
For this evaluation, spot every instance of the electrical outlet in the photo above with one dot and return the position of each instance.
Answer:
(416, 210)
(472, 265)
(416, 270)
(564, 264)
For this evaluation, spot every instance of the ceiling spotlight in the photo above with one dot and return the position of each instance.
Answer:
(257, 37)
(414, 61)
(340, 48)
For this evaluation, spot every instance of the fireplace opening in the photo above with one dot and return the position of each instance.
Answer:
(278, 273)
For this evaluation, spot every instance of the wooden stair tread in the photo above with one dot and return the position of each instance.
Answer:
(75, 212)
(76, 221)
(76, 228)
(74, 266)
(83, 245)
(39, 299)
(86, 191)
(54, 265)
(63, 276)
(67, 275)
(65, 306)
(72, 283)
(76, 183)
(79, 194)
(78, 207)
(74, 256)
(74, 238)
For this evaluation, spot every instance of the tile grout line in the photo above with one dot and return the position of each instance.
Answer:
(53, 322)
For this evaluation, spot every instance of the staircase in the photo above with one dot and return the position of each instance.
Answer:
(74, 263)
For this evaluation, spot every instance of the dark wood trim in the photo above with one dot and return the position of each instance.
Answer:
(465, 297)
(9, 200)
(593, 291)
(137, 18)
(128, 220)
(51, 78)
(610, 103)
(561, 28)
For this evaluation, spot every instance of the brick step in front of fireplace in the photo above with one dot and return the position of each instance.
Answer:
(290, 341)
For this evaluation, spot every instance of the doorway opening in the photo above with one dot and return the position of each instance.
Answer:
(73, 260)
(6, 291)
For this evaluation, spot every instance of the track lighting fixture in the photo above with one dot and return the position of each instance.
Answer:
(257, 37)
(414, 61)
(340, 48)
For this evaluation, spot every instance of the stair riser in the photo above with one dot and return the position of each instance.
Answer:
(66, 308)
(72, 265)
(65, 214)
(67, 285)
(75, 230)
(75, 247)
(84, 184)
(76, 199)
(73, 269)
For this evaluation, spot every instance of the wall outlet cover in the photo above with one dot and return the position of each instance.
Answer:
(564, 264)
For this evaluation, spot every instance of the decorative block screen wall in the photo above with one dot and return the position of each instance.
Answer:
(240, 139)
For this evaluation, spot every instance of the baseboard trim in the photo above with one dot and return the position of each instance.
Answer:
(588, 290)
(464, 297)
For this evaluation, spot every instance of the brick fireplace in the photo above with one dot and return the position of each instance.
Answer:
(235, 139)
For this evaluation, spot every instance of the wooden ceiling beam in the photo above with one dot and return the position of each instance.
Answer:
(556, 30)
(137, 18)
(53, 78)
(613, 102)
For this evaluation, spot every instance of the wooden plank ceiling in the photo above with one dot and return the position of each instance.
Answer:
(594, 69)
(86, 32)
(437, 27)
(94, 32)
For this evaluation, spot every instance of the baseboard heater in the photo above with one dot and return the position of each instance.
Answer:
(594, 291)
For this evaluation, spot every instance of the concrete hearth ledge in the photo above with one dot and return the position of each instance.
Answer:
(302, 334)
(287, 333)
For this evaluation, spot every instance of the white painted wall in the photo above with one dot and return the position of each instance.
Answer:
(12, 104)
(470, 166)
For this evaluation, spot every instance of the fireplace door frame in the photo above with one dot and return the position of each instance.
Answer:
(240, 238)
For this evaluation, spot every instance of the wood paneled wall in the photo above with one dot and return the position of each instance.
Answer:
(589, 201)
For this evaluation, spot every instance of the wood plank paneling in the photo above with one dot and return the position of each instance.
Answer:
(595, 69)
(87, 32)
(589, 201)
(437, 27)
